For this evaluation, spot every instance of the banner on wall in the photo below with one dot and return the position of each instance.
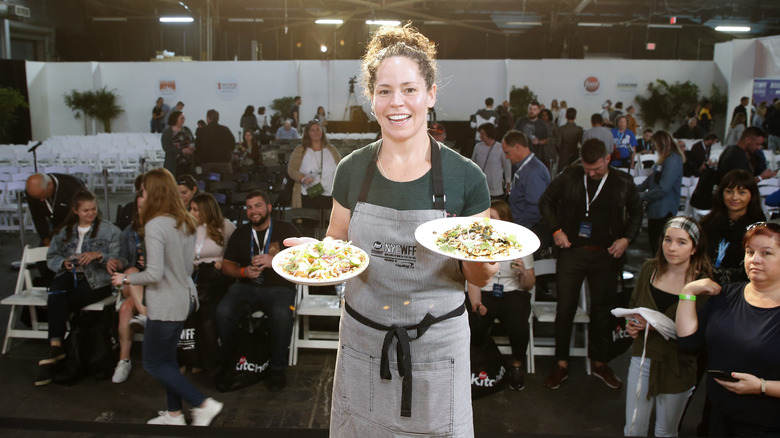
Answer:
(590, 86)
(227, 87)
(166, 87)
(765, 90)
(627, 87)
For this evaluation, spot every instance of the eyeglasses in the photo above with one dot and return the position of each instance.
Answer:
(771, 225)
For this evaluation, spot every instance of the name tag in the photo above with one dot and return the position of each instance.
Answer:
(498, 290)
(586, 229)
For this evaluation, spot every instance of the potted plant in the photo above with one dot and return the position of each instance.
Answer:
(281, 107)
(11, 100)
(104, 107)
(519, 98)
(80, 103)
(668, 103)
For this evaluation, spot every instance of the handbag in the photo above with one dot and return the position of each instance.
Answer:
(92, 347)
(488, 372)
(187, 350)
(315, 190)
(248, 363)
(619, 339)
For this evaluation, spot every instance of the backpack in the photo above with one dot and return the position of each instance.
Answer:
(92, 347)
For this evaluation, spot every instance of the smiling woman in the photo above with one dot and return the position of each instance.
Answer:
(381, 194)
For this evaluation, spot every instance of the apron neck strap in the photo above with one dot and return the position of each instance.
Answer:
(438, 178)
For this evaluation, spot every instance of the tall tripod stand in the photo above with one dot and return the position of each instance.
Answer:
(351, 98)
(351, 101)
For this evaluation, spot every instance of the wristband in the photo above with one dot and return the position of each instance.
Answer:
(763, 386)
(684, 297)
(124, 280)
(558, 231)
(242, 273)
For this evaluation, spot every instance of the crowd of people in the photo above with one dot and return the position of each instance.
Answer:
(718, 279)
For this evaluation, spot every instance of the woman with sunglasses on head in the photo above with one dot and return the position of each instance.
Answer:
(313, 165)
(740, 327)
(188, 188)
(168, 232)
(735, 205)
(667, 376)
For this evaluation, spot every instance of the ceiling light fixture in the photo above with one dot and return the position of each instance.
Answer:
(323, 48)
(384, 22)
(329, 21)
(109, 19)
(245, 20)
(732, 28)
(176, 19)
(523, 23)
(586, 24)
(665, 26)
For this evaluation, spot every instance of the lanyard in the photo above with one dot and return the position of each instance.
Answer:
(199, 248)
(255, 240)
(621, 136)
(54, 199)
(589, 201)
(517, 172)
(722, 246)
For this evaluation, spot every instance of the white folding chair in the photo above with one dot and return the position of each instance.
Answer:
(28, 296)
(544, 312)
(307, 306)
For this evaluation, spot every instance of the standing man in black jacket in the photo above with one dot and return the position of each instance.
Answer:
(214, 145)
(595, 212)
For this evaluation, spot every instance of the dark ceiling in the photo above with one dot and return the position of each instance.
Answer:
(463, 29)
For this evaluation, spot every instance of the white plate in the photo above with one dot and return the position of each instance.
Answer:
(427, 233)
(276, 263)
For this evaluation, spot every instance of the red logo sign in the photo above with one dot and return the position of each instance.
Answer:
(591, 84)
(482, 375)
(242, 360)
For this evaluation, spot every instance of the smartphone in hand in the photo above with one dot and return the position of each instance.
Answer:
(721, 375)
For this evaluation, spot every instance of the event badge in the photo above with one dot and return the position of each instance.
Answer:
(498, 290)
(586, 228)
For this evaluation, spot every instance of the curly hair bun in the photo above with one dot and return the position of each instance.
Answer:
(389, 41)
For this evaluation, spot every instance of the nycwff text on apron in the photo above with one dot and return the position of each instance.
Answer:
(404, 256)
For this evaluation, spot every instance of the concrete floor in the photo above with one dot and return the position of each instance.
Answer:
(583, 406)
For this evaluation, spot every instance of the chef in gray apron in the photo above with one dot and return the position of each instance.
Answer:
(403, 363)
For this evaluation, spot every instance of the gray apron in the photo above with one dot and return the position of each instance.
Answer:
(408, 286)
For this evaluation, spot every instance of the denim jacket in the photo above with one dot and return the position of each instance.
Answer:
(106, 242)
(130, 246)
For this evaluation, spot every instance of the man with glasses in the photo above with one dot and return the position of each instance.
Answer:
(594, 212)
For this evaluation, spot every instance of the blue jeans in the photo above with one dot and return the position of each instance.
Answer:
(668, 407)
(65, 297)
(160, 340)
(275, 301)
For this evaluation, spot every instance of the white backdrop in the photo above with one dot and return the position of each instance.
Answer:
(464, 85)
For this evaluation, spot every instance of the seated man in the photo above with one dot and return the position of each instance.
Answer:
(248, 258)
(287, 132)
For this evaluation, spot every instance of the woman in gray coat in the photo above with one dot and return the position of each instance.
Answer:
(169, 239)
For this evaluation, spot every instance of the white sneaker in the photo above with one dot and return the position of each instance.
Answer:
(122, 371)
(203, 416)
(138, 322)
(166, 419)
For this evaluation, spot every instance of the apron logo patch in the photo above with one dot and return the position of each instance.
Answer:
(403, 256)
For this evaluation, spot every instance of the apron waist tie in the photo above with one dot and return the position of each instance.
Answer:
(403, 348)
